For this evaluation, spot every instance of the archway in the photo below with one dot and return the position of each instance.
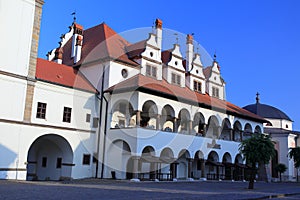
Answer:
(213, 130)
(122, 115)
(228, 166)
(247, 131)
(199, 165)
(274, 163)
(237, 131)
(168, 168)
(199, 124)
(167, 119)
(213, 166)
(184, 165)
(226, 130)
(239, 168)
(50, 157)
(149, 115)
(257, 129)
(149, 164)
(184, 121)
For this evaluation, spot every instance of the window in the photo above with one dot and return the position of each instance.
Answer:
(151, 71)
(44, 161)
(95, 122)
(215, 92)
(88, 118)
(197, 86)
(41, 110)
(58, 163)
(67, 114)
(124, 73)
(176, 79)
(86, 159)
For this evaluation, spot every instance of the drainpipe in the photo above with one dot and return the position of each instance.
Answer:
(105, 129)
(100, 122)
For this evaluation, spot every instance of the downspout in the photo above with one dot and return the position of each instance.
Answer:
(105, 129)
(100, 122)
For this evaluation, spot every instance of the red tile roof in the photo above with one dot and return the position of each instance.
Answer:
(62, 75)
(99, 42)
(163, 88)
(207, 72)
(136, 49)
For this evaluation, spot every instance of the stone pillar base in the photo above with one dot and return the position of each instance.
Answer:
(135, 180)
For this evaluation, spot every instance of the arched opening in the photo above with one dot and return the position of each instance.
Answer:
(149, 164)
(184, 165)
(50, 157)
(257, 129)
(274, 164)
(167, 119)
(168, 168)
(198, 165)
(149, 115)
(213, 166)
(118, 153)
(226, 130)
(237, 131)
(199, 124)
(213, 130)
(184, 122)
(123, 115)
(247, 131)
(239, 168)
(228, 166)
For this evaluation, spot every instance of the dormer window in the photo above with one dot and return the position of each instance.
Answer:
(151, 71)
(176, 79)
(215, 92)
(197, 86)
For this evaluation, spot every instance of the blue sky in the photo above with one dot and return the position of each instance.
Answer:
(257, 41)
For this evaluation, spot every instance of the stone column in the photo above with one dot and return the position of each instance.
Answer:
(202, 168)
(158, 116)
(190, 126)
(175, 125)
(135, 168)
(204, 130)
(138, 118)
(241, 135)
(231, 135)
(190, 168)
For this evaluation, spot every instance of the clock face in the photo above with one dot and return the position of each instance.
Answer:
(124, 73)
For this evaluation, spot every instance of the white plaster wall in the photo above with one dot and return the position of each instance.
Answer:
(281, 123)
(16, 20)
(115, 75)
(16, 147)
(58, 97)
(15, 91)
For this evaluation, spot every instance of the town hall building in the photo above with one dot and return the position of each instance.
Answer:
(101, 106)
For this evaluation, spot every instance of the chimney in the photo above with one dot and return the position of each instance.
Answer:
(58, 55)
(158, 29)
(189, 52)
(78, 30)
(78, 48)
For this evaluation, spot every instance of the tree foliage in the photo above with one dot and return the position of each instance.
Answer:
(281, 168)
(257, 149)
(294, 154)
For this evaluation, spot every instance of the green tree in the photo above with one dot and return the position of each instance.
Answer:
(257, 149)
(281, 168)
(294, 154)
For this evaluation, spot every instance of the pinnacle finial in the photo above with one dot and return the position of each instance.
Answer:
(257, 97)
(74, 16)
(215, 56)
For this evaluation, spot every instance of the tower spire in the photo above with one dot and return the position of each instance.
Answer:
(257, 97)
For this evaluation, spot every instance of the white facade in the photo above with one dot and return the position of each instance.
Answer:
(144, 132)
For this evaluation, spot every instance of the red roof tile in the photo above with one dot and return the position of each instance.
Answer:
(62, 75)
(140, 82)
(99, 42)
(207, 72)
(136, 49)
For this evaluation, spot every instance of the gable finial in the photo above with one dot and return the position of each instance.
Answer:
(74, 16)
(176, 35)
(215, 56)
(257, 97)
